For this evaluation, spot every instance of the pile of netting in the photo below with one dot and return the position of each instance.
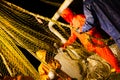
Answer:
(19, 27)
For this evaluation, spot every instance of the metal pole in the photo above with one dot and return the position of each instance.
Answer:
(64, 5)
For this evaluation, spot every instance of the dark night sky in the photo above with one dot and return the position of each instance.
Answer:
(45, 9)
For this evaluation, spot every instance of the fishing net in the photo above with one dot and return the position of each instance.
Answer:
(19, 27)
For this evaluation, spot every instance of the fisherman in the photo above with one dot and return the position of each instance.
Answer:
(94, 44)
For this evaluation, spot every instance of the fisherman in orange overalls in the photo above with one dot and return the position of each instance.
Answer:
(98, 46)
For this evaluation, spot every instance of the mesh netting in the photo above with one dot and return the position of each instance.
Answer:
(22, 29)
(19, 27)
(13, 59)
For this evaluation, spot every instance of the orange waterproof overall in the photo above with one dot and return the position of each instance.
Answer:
(77, 21)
